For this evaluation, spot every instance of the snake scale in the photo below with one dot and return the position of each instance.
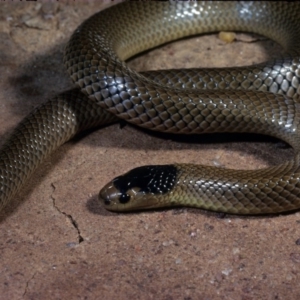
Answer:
(261, 98)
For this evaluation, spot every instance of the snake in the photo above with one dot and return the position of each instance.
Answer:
(261, 98)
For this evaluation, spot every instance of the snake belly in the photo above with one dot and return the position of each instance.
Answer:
(261, 98)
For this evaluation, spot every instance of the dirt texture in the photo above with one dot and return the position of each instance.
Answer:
(58, 242)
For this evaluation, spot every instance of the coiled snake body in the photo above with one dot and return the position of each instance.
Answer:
(261, 99)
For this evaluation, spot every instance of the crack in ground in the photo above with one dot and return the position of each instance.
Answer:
(71, 219)
(27, 283)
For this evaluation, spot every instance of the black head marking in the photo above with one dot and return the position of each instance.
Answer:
(148, 179)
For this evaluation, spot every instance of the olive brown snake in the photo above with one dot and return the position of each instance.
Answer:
(260, 99)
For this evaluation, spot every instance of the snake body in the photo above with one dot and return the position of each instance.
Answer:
(261, 99)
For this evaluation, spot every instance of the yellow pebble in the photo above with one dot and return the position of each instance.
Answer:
(227, 37)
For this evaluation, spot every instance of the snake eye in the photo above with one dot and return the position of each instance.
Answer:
(124, 198)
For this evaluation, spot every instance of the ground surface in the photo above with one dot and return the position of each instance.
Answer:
(58, 242)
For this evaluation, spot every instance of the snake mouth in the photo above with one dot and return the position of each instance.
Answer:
(110, 195)
(133, 199)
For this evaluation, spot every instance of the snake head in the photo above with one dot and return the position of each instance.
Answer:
(141, 188)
